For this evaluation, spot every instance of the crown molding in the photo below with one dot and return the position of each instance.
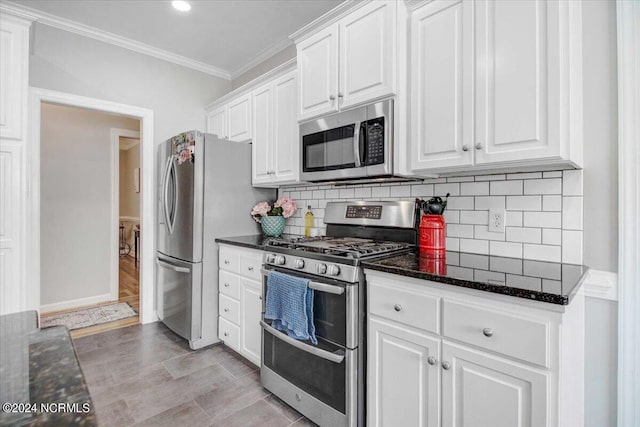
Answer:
(107, 37)
(328, 18)
(261, 57)
(287, 66)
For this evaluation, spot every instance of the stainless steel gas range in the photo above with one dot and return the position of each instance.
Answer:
(325, 382)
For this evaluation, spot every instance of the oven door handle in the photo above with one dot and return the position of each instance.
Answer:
(332, 357)
(317, 286)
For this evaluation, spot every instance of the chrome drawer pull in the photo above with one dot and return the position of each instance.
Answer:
(250, 268)
(432, 360)
(226, 334)
(226, 261)
(446, 366)
(488, 332)
(397, 307)
(226, 285)
(226, 310)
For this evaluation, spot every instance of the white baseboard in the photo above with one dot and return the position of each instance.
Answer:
(80, 302)
(601, 284)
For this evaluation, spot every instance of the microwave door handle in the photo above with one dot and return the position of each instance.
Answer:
(337, 357)
(356, 144)
(317, 286)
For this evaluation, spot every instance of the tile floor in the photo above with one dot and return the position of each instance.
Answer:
(144, 375)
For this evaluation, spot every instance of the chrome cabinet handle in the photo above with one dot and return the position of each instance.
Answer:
(340, 95)
(250, 268)
(479, 146)
(226, 310)
(226, 285)
(432, 360)
(226, 334)
(488, 332)
(226, 261)
(397, 307)
(446, 366)
(465, 147)
(332, 97)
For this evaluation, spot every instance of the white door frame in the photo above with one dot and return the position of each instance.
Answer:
(115, 135)
(628, 32)
(147, 218)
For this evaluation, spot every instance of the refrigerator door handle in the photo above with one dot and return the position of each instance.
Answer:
(165, 195)
(175, 195)
(172, 267)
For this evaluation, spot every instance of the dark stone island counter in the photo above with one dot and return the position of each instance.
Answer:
(40, 377)
(550, 282)
(255, 241)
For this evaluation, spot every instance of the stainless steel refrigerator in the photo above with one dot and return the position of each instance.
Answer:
(204, 192)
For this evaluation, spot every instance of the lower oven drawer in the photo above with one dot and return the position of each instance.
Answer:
(322, 374)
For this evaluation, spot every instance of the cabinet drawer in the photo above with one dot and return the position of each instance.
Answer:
(228, 259)
(508, 333)
(229, 309)
(411, 307)
(229, 284)
(250, 266)
(229, 333)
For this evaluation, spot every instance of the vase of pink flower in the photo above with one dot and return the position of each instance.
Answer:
(272, 218)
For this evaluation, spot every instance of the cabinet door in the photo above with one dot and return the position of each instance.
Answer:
(217, 122)
(367, 58)
(517, 81)
(480, 390)
(403, 388)
(251, 311)
(441, 85)
(318, 73)
(239, 119)
(286, 144)
(14, 57)
(261, 151)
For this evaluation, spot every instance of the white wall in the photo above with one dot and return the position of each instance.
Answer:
(266, 65)
(67, 62)
(75, 209)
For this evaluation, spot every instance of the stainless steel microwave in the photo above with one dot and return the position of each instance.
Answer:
(352, 144)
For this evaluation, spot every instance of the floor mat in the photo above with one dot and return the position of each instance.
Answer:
(90, 316)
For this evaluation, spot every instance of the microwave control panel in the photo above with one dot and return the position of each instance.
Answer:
(367, 212)
(375, 141)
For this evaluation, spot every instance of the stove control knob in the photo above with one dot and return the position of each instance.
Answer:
(333, 270)
(271, 258)
(321, 268)
(280, 260)
(299, 264)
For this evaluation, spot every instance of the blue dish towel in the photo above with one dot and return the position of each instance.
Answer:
(290, 306)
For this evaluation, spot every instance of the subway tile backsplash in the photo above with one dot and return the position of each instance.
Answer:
(543, 211)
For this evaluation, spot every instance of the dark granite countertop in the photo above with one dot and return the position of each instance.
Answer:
(550, 282)
(254, 241)
(39, 366)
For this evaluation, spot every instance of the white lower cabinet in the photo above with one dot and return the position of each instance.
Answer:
(467, 358)
(240, 300)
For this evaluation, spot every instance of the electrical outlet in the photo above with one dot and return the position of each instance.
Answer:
(496, 220)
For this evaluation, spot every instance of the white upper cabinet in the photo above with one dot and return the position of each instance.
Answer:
(367, 45)
(318, 70)
(441, 83)
(239, 112)
(217, 122)
(275, 148)
(232, 121)
(495, 85)
(349, 62)
(262, 135)
(286, 142)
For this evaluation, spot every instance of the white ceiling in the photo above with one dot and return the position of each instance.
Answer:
(227, 34)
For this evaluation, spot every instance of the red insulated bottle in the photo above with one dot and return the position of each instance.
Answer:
(432, 235)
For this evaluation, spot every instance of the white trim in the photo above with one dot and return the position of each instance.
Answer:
(628, 37)
(76, 303)
(111, 38)
(115, 134)
(130, 218)
(32, 176)
(261, 57)
(601, 284)
(331, 17)
(283, 68)
(126, 146)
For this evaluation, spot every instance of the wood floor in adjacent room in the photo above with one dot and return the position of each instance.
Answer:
(129, 292)
(145, 375)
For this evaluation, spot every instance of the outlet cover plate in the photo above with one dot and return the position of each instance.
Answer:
(496, 220)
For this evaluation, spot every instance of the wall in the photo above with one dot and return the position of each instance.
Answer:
(129, 199)
(75, 207)
(267, 65)
(67, 62)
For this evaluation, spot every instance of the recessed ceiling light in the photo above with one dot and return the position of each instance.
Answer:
(182, 6)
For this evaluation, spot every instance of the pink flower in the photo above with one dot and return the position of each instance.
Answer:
(185, 155)
(288, 206)
(260, 210)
